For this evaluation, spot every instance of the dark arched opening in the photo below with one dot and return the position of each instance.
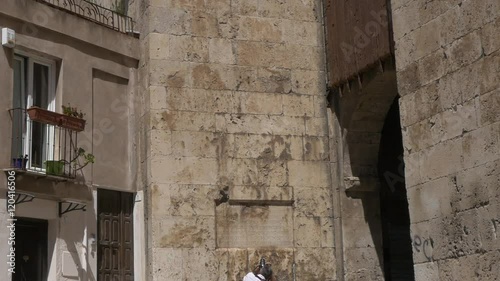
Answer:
(395, 218)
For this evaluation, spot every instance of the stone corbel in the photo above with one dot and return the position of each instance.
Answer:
(361, 184)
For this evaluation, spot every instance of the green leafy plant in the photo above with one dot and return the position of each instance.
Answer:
(88, 158)
(73, 111)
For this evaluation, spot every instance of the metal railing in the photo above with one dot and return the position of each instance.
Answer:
(42, 148)
(96, 13)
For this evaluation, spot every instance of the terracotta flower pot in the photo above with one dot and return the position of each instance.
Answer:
(72, 123)
(57, 119)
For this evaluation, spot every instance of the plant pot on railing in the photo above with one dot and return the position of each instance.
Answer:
(20, 162)
(72, 123)
(55, 168)
(44, 116)
(57, 119)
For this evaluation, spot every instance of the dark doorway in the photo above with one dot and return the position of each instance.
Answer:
(398, 259)
(115, 248)
(31, 250)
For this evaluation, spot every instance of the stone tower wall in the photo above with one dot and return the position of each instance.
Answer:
(235, 101)
(448, 63)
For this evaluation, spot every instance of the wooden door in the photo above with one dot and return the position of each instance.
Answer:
(115, 228)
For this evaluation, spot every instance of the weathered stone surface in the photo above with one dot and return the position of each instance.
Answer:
(430, 200)
(436, 160)
(172, 74)
(316, 126)
(315, 264)
(237, 103)
(481, 146)
(307, 232)
(258, 192)
(158, 46)
(200, 263)
(308, 82)
(161, 142)
(489, 37)
(362, 232)
(186, 170)
(183, 200)
(237, 172)
(448, 77)
(298, 105)
(184, 232)
(427, 271)
(254, 226)
(313, 201)
(361, 264)
(261, 103)
(165, 264)
(187, 48)
(488, 107)
(260, 124)
(316, 148)
(195, 144)
(307, 173)
(183, 121)
(204, 24)
(221, 51)
(260, 29)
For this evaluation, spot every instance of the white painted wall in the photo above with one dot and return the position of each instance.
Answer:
(139, 239)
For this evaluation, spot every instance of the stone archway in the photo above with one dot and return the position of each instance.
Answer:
(361, 110)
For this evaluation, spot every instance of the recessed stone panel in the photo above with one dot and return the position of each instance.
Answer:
(254, 226)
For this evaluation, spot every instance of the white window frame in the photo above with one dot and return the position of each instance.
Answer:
(27, 95)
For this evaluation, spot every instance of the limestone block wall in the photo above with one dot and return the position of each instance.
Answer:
(235, 101)
(448, 62)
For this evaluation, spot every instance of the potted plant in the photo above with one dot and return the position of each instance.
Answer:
(20, 162)
(73, 118)
(44, 116)
(56, 167)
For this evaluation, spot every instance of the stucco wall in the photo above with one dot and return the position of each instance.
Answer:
(37, 34)
(236, 100)
(447, 57)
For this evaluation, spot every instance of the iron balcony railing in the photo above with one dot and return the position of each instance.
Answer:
(96, 13)
(42, 148)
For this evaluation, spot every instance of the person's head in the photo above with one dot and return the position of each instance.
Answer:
(266, 271)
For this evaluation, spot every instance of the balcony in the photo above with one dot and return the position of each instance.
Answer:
(113, 19)
(44, 143)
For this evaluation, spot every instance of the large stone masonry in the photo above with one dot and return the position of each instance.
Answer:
(448, 62)
(235, 101)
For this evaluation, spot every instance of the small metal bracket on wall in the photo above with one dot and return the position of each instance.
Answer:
(70, 207)
(19, 198)
(23, 198)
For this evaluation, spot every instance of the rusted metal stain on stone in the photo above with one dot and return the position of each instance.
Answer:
(357, 36)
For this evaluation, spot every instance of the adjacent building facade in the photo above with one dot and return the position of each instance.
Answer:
(340, 140)
(69, 216)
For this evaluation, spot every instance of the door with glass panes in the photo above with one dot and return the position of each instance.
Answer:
(34, 85)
